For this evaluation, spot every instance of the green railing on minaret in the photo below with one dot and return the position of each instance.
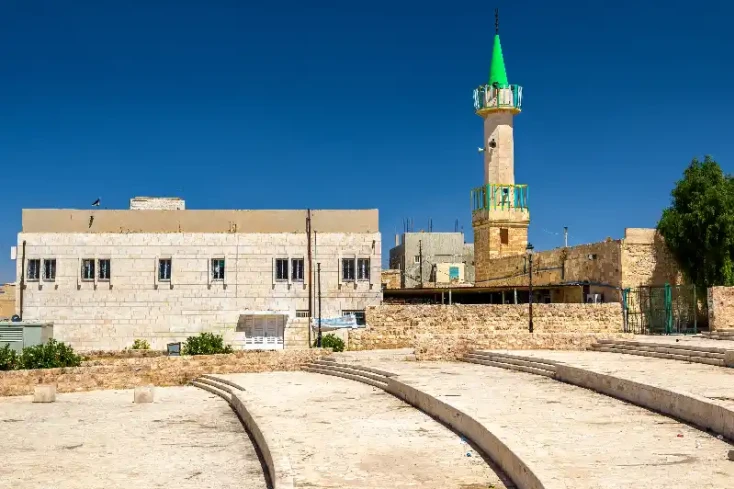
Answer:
(496, 196)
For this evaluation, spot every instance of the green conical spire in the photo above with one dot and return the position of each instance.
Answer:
(497, 73)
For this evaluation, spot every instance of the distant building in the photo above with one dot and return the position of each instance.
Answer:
(162, 273)
(433, 259)
(7, 301)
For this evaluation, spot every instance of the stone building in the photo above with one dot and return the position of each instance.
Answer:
(432, 259)
(162, 273)
(601, 270)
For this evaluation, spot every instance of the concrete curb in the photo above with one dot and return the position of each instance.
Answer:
(688, 407)
(506, 459)
(276, 460)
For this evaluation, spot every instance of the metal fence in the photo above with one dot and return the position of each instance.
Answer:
(667, 309)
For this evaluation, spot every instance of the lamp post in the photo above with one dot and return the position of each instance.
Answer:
(529, 252)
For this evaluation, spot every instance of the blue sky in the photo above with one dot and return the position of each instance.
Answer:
(358, 105)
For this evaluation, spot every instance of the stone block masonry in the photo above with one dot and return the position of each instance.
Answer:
(442, 331)
(135, 302)
(159, 371)
(640, 259)
(721, 308)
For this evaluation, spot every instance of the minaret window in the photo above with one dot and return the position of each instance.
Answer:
(504, 236)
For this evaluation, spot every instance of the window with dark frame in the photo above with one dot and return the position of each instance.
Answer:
(33, 270)
(302, 313)
(281, 269)
(348, 269)
(49, 269)
(358, 315)
(164, 269)
(217, 268)
(87, 269)
(363, 269)
(105, 269)
(504, 236)
(297, 269)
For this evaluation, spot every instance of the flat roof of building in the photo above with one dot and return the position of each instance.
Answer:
(197, 221)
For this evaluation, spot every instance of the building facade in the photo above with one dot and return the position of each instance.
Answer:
(500, 213)
(432, 259)
(161, 273)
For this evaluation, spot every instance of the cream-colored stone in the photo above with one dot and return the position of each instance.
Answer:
(134, 304)
(44, 393)
(7, 300)
(444, 331)
(721, 308)
(143, 394)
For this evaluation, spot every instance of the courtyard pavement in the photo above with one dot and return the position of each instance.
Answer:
(187, 438)
(339, 433)
(572, 437)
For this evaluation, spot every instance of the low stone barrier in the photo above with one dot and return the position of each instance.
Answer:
(437, 327)
(127, 373)
(445, 346)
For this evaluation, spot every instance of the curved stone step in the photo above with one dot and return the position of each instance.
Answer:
(543, 361)
(510, 366)
(709, 349)
(222, 381)
(213, 390)
(668, 356)
(520, 361)
(344, 375)
(354, 366)
(690, 351)
(347, 370)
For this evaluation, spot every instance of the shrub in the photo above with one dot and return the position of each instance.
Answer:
(141, 345)
(330, 341)
(51, 355)
(8, 358)
(205, 344)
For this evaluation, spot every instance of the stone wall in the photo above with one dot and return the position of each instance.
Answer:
(641, 258)
(595, 262)
(135, 304)
(721, 308)
(482, 325)
(161, 371)
(646, 260)
(7, 301)
(391, 279)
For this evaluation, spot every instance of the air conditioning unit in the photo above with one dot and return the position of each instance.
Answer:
(594, 298)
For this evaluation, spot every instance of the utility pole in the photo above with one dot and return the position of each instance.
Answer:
(310, 274)
(420, 260)
(529, 250)
(318, 272)
(565, 236)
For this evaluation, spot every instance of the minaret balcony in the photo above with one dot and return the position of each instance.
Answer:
(500, 197)
(489, 98)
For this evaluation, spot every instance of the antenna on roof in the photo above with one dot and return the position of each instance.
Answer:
(496, 21)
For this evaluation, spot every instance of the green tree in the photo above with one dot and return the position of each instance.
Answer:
(699, 225)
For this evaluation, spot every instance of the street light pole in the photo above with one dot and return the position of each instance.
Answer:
(529, 251)
(318, 272)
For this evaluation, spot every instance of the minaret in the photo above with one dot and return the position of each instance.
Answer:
(500, 215)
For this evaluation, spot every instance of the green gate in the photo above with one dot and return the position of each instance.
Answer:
(667, 309)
